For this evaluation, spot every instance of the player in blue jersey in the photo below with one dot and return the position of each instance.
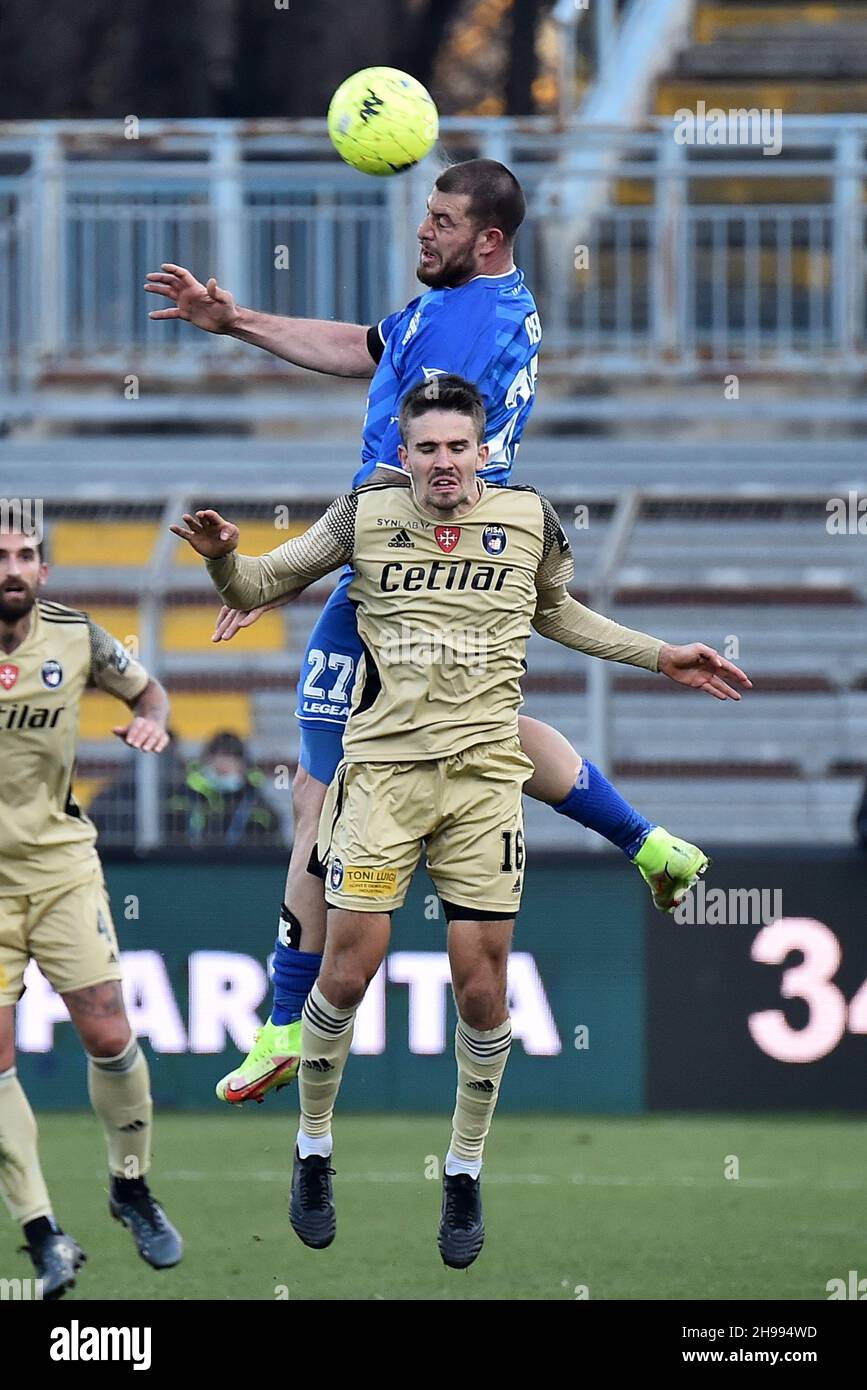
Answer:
(477, 319)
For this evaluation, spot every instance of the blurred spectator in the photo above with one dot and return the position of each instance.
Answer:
(861, 820)
(113, 809)
(225, 803)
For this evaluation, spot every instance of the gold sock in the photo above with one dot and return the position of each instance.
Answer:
(21, 1181)
(482, 1058)
(326, 1036)
(119, 1089)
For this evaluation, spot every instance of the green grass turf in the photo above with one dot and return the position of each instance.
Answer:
(632, 1208)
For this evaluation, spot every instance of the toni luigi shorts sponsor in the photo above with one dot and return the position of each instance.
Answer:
(466, 809)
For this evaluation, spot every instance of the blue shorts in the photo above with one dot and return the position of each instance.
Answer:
(325, 684)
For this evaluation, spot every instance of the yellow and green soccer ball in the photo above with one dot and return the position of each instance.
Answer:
(382, 121)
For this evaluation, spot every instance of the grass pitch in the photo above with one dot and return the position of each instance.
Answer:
(629, 1208)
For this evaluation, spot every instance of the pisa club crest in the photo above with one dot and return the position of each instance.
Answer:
(8, 675)
(52, 674)
(447, 537)
(494, 539)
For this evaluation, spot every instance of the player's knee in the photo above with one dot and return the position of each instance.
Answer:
(481, 1002)
(107, 1040)
(344, 984)
(308, 795)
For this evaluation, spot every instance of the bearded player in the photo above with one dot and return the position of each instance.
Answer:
(54, 908)
(479, 320)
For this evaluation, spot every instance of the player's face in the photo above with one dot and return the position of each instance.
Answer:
(22, 573)
(442, 455)
(450, 242)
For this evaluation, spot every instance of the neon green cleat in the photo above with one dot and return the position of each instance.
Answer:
(670, 867)
(271, 1063)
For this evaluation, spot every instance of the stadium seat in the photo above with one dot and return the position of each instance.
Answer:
(196, 714)
(102, 542)
(803, 58)
(188, 628)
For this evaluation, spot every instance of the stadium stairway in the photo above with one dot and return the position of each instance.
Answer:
(801, 57)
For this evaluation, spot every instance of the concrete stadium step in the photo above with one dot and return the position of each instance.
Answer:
(808, 98)
(683, 727)
(749, 20)
(99, 471)
(778, 56)
(813, 810)
(737, 191)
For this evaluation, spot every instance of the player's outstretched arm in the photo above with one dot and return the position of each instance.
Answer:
(562, 618)
(338, 349)
(247, 582)
(565, 620)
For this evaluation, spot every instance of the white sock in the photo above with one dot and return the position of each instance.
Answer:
(322, 1145)
(473, 1166)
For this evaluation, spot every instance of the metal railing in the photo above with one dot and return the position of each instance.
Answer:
(697, 254)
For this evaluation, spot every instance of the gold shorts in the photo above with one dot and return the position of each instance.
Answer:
(465, 808)
(67, 930)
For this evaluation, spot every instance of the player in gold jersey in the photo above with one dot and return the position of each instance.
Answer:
(54, 908)
(450, 573)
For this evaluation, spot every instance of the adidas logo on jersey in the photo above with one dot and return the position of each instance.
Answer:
(402, 541)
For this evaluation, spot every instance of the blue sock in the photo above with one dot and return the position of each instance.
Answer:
(595, 803)
(294, 973)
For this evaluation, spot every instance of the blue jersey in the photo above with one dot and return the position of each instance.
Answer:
(487, 331)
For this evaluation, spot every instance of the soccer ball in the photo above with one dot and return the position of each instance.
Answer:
(382, 121)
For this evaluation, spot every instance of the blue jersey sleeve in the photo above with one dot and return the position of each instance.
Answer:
(385, 326)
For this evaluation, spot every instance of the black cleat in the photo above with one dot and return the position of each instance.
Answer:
(56, 1259)
(156, 1239)
(462, 1225)
(311, 1203)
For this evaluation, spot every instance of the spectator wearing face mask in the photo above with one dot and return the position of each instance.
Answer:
(225, 803)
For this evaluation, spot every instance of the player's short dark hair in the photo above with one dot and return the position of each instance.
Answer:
(496, 197)
(447, 392)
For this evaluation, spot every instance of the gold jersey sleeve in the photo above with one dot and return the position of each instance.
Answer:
(112, 668)
(562, 618)
(248, 581)
(45, 837)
